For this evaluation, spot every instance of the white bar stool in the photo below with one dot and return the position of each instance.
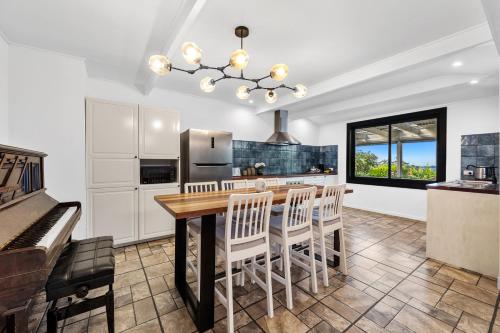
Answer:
(326, 220)
(194, 226)
(228, 185)
(245, 235)
(295, 227)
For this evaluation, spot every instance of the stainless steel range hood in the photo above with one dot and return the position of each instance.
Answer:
(281, 136)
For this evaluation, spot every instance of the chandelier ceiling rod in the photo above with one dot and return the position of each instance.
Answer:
(161, 65)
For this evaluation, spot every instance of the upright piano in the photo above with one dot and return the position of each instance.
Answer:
(34, 228)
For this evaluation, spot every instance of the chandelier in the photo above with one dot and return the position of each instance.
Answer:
(161, 65)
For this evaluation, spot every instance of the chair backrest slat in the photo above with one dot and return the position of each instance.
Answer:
(272, 181)
(234, 184)
(330, 207)
(247, 217)
(201, 187)
(297, 213)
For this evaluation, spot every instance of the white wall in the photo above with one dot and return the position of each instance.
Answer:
(46, 113)
(464, 117)
(4, 90)
(204, 113)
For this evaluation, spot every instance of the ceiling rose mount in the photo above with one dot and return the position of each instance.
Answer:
(161, 65)
(241, 31)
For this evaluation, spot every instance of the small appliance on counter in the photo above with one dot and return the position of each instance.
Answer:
(236, 172)
(486, 173)
(158, 171)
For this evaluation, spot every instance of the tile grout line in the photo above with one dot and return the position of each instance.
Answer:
(387, 294)
(150, 290)
(357, 253)
(495, 312)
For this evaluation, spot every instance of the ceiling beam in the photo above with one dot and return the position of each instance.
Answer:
(166, 37)
(385, 96)
(461, 40)
(492, 11)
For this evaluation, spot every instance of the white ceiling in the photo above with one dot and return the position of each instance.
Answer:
(319, 40)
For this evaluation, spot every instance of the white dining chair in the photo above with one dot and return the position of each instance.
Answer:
(291, 228)
(326, 220)
(245, 235)
(272, 182)
(234, 184)
(194, 226)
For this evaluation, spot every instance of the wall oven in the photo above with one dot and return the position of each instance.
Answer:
(158, 171)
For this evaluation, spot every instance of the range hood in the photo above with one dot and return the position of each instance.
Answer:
(281, 136)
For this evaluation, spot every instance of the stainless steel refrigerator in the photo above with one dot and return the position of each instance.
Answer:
(206, 156)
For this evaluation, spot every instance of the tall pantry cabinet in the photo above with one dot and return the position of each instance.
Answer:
(118, 136)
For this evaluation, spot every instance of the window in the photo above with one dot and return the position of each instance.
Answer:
(407, 150)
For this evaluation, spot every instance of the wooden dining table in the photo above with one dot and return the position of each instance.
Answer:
(207, 205)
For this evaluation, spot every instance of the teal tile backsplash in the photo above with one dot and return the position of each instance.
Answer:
(283, 159)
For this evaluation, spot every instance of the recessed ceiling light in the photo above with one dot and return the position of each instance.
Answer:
(250, 101)
(474, 81)
(457, 64)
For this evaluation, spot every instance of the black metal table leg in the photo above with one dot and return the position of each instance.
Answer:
(202, 311)
(180, 255)
(207, 273)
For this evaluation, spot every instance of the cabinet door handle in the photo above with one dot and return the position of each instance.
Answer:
(136, 188)
(135, 156)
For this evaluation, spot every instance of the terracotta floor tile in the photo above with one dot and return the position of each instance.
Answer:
(421, 293)
(144, 310)
(369, 326)
(356, 299)
(468, 304)
(331, 317)
(301, 300)
(488, 284)
(283, 321)
(177, 321)
(459, 274)
(381, 314)
(342, 309)
(309, 318)
(474, 292)
(419, 322)
(471, 324)
(383, 250)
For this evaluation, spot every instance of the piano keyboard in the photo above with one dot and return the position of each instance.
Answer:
(44, 231)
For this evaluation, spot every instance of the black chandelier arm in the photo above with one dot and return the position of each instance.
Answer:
(281, 86)
(226, 76)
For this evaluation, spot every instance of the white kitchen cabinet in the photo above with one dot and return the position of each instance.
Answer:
(111, 143)
(155, 221)
(331, 180)
(111, 129)
(113, 212)
(159, 133)
(112, 172)
(314, 180)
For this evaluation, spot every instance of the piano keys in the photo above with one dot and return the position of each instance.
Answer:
(35, 228)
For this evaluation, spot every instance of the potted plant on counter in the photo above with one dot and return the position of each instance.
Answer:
(259, 167)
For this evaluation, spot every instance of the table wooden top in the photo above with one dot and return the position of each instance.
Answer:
(188, 205)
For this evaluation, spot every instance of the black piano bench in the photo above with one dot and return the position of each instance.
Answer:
(83, 265)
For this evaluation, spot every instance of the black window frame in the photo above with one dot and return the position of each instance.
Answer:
(438, 113)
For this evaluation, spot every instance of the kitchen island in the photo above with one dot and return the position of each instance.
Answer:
(463, 225)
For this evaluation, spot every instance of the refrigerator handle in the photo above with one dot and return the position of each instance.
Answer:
(210, 165)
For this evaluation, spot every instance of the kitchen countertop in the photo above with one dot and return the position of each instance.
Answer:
(466, 186)
(285, 176)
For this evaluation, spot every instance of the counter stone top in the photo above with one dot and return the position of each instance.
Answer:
(466, 186)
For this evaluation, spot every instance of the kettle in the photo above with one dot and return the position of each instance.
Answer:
(484, 173)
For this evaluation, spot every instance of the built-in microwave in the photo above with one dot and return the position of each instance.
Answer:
(158, 171)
